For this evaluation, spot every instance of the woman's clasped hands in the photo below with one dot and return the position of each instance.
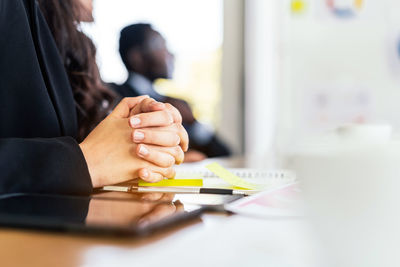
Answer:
(141, 138)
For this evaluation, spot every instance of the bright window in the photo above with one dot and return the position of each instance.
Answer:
(194, 33)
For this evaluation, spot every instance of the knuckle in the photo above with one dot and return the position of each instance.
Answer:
(175, 112)
(177, 140)
(174, 109)
(181, 128)
(124, 101)
(166, 162)
(179, 116)
(169, 106)
(174, 128)
(179, 155)
(178, 151)
(184, 134)
(148, 101)
(171, 161)
(170, 173)
(167, 116)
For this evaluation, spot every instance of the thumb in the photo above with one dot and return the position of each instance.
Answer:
(124, 107)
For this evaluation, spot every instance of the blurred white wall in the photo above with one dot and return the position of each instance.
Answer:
(262, 63)
(309, 71)
(339, 70)
(232, 103)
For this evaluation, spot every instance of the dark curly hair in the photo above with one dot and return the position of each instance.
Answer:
(93, 99)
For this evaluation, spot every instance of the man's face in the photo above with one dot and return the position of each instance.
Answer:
(159, 60)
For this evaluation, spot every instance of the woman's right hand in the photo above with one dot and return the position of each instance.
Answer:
(112, 156)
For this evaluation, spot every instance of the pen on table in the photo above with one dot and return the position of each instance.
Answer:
(186, 190)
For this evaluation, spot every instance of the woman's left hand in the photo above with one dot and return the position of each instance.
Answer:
(158, 128)
(162, 118)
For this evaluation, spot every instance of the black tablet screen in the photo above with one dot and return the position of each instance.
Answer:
(132, 214)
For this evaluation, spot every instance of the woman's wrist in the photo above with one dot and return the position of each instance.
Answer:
(96, 182)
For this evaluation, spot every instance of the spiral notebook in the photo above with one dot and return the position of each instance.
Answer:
(218, 177)
(262, 174)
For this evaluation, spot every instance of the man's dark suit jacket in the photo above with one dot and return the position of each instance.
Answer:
(213, 148)
(38, 122)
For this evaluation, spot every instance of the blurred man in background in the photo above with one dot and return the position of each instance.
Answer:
(147, 58)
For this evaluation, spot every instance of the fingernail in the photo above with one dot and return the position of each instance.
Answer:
(145, 173)
(143, 151)
(135, 121)
(138, 136)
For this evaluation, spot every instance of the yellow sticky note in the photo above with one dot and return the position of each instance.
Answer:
(230, 178)
(298, 6)
(174, 183)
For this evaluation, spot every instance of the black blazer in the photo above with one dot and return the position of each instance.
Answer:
(125, 90)
(38, 122)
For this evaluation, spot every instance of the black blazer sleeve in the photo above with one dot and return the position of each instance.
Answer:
(38, 122)
(52, 165)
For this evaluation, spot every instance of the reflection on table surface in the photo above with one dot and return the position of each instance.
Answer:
(141, 210)
(66, 213)
(105, 209)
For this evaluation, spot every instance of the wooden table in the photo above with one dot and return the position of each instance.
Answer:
(215, 240)
(218, 241)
